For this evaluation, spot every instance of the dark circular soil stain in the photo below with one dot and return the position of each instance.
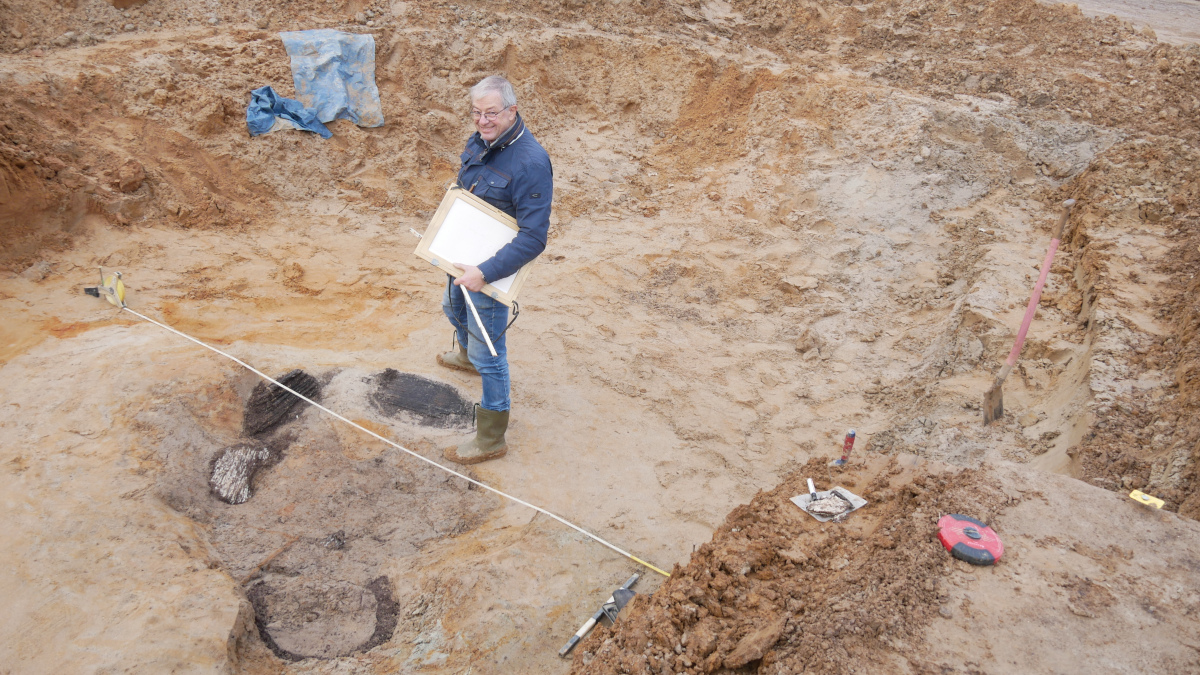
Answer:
(318, 619)
(434, 403)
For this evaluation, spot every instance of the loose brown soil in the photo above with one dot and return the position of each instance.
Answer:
(780, 590)
(776, 591)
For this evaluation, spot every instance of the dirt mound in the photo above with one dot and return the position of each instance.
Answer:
(1184, 419)
(775, 591)
(778, 592)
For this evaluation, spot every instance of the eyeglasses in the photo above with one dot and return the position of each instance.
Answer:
(489, 116)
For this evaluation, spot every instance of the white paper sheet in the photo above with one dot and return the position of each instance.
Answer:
(471, 236)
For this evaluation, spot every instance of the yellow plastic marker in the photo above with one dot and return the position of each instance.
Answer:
(1143, 498)
(643, 562)
(112, 288)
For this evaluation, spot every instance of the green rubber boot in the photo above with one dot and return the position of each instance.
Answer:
(457, 360)
(488, 443)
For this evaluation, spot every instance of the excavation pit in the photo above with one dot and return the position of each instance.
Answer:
(308, 512)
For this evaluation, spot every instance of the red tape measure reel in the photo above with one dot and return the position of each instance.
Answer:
(970, 540)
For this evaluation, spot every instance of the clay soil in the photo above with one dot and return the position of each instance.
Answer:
(772, 222)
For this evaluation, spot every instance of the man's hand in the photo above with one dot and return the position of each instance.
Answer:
(472, 279)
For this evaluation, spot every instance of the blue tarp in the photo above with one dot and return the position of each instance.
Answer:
(334, 73)
(269, 111)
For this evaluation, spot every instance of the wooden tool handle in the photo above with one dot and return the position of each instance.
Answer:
(1062, 221)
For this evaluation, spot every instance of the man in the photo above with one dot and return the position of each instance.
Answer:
(507, 167)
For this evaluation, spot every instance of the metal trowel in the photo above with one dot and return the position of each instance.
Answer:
(846, 500)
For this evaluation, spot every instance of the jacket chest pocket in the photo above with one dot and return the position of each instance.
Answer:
(493, 186)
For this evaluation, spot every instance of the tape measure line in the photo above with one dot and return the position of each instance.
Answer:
(397, 445)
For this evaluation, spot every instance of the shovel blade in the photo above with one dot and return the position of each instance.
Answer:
(993, 403)
(622, 596)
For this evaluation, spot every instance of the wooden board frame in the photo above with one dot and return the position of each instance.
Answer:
(453, 195)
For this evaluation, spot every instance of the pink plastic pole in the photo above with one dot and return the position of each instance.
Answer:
(1033, 305)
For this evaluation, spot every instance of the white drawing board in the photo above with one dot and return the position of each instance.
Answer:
(470, 235)
(465, 229)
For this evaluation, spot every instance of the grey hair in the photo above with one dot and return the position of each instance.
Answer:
(495, 83)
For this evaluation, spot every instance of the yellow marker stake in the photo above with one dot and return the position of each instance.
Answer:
(1143, 498)
(643, 562)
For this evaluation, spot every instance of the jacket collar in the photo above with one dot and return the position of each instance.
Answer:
(506, 139)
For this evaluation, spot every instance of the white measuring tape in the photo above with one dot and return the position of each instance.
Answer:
(397, 445)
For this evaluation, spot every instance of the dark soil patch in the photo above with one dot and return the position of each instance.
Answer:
(269, 404)
(319, 523)
(387, 613)
(434, 403)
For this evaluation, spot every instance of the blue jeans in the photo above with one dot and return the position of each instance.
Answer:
(494, 314)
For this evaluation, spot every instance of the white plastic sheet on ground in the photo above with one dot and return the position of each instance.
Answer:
(334, 73)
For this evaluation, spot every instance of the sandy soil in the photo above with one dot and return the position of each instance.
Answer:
(772, 222)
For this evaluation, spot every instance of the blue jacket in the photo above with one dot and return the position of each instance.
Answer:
(515, 176)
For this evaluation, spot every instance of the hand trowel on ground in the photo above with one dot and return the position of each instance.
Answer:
(833, 504)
